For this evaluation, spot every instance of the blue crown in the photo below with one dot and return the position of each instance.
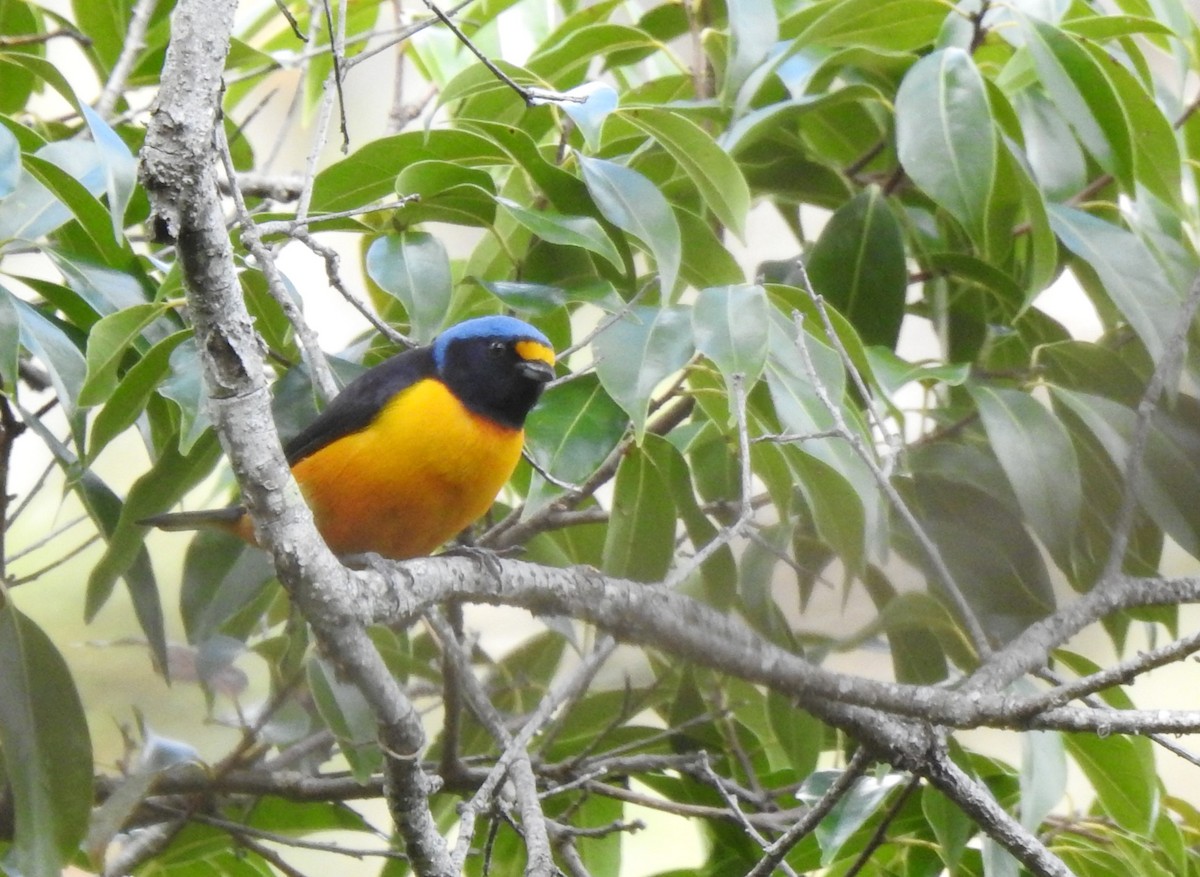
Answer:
(505, 328)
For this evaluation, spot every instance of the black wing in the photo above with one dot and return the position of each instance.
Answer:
(356, 406)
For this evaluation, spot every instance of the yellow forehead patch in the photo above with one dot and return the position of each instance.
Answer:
(535, 350)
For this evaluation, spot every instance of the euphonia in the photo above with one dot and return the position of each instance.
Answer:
(415, 449)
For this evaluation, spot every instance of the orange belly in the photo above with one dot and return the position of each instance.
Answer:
(419, 474)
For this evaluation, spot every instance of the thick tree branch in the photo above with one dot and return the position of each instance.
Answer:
(178, 170)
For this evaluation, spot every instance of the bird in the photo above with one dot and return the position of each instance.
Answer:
(414, 450)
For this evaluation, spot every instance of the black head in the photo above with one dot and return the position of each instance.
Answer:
(496, 366)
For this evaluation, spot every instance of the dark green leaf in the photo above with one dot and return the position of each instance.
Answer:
(46, 749)
(858, 264)
(641, 532)
(221, 575)
(1036, 452)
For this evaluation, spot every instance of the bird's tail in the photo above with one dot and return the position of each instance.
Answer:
(232, 520)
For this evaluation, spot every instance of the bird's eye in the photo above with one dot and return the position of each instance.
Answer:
(497, 348)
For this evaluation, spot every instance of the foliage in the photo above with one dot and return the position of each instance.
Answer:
(757, 433)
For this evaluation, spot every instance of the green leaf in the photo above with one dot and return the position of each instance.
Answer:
(571, 231)
(1036, 453)
(638, 352)
(172, 475)
(84, 206)
(108, 341)
(1043, 774)
(995, 564)
(369, 174)
(10, 338)
(120, 168)
(753, 32)
(859, 265)
(185, 387)
(446, 192)
(600, 99)
(851, 811)
(1131, 276)
(945, 136)
(1169, 482)
(1080, 88)
(32, 211)
(573, 428)
(899, 25)
(46, 749)
(731, 328)
(346, 713)
(1156, 158)
(715, 175)
(221, 576)
(1121, 770)
(105, 25)
(632, 203)
(10, 162)
(640, 541)
(413, 268)
(46, 340)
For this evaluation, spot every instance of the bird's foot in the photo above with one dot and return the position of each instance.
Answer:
(369, 560)
(488, 558)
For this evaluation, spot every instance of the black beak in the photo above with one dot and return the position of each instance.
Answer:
(536, 370)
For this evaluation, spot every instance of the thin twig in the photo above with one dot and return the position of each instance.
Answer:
(131, 47)
(777, 852)
(318, 366)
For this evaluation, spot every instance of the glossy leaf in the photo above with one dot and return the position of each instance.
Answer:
(945, 136)
(636, 353)
(714, 174)
(572, 231)
(570, 432)
(731, 328)
(1079, 87)
(46, 749)
(1132, 278)
(120, 168)
(753, 31)
(221, 576)
(413, 268)
(446, 192)
(632, 203)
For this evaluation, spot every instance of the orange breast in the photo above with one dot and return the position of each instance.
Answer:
(423, 470)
